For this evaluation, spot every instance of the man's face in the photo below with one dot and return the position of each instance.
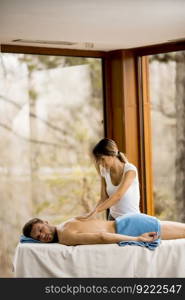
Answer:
(43, 232)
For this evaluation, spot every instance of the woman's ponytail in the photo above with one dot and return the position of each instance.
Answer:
(122, 157)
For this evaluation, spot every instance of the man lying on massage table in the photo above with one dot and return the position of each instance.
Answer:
(131, 229)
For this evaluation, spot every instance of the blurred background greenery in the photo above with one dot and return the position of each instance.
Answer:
(51, 112)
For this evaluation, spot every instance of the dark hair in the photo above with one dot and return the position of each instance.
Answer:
(29, 225)
(108, 147)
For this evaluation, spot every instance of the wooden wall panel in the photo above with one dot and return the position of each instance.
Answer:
(51, 51)
(147, 135)
(122, 116)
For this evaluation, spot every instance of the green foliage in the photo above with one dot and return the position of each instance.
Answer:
(95, 73)
(42, 206)
(68, 195)
(32, 94)
(41, 62)
(163, 57)
(165, 205)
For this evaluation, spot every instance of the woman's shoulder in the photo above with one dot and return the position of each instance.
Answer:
(129, 166)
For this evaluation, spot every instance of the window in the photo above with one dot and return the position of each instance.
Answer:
(167, 90)
(51, 114)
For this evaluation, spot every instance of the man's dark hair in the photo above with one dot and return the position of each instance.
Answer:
(29, 225)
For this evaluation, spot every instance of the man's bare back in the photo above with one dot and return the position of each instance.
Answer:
(86, 226)
(93, 231)
(75, 231)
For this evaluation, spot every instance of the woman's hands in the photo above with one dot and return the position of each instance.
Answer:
(147, 237)
(87, 216)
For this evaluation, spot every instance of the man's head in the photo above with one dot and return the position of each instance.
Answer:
(40, 230)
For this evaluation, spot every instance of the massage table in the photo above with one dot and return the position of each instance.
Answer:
(99, 261)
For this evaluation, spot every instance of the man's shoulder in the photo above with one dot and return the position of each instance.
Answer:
(66, 224)
(66, 230)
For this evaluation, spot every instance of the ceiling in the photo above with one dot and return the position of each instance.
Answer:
(91, 24)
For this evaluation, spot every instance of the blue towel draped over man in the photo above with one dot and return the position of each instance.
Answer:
(137, 224)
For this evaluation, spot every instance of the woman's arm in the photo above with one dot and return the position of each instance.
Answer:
(76, 238)
(103, 197)
(124, 185)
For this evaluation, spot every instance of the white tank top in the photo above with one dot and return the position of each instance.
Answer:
(129, 202)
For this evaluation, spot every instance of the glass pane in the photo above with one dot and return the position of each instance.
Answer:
(51, 114)
(167, 93)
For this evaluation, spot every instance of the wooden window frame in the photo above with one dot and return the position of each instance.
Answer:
(126, 102)
(142, 54)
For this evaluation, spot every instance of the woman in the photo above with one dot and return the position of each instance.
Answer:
(119, 181)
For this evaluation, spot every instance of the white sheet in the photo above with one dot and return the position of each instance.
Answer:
(100, 261)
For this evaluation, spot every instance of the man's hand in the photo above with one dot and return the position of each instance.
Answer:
(87, 216)
(148, 237)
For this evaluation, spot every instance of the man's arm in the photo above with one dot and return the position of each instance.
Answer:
(76, 238)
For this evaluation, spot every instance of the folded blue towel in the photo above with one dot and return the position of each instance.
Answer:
(24, 239)
(137, 224)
